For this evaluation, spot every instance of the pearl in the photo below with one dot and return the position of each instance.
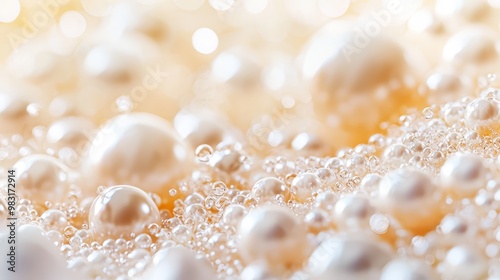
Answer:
(36, 257)
(408, 269)
(482, 115)
(349, 257)
(233, 214)
(412, 198)
(13, 113)
(350, 81)
(199, 128)
(257, 271)
(178, 263)
(120, 211)
(268, 188)
(73, 132)
(463, 175)
(442, 87)
(304, 185)
(138, 149)
(42, 178)
(317, 220)
(54, 220)
(353, 212)
(227, 161)
(274, 235)
(465, 262)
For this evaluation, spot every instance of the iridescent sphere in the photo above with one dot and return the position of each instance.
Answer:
(443, 87)
(465, 262)
(272, 234)
(349, 257)
(268, 188)
(463, 175)
(42, 178)
(178, 263)
(13, 113)
(408, 269)
(122, 210)
(353, 212)
(139, 149)
(71, 132)
(482, 115)
(411, 197)
(357, 80)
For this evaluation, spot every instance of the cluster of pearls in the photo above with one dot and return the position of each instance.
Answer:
(183, 140)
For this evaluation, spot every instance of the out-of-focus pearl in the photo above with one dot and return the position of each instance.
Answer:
(458, 13)
(42, 178)
(463, 175)
(71, 132)
(204, 128)
(274, 235)
(482, 115)
(443, 87)
(317, 220)
(257, 271)
(54, 220)
(226, 160)
(465, 262)
(411, 197)
(408, 269)
(475, 49)
(36, 257)
(268, 188)
(353, 212)
(357, 81)
(139, 149)
(178, 263)
(304, 185)
(122, 210)
(13, 113)
(233, 214)
(349, 257)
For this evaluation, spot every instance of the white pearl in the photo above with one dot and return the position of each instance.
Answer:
(139, 149)
(13, 113)
(465, 262)
(463, 175)
(408, 269)
(353, 212)
(349, 257)
(482, 114)
(411, 197)
(36, 257)
(268, 188)
(178, 263)
(73, 132)
(357, 81)
(257, 271)
(122, 210)
(304, 185)
(442, 87)
(42, 178)
(274, 235)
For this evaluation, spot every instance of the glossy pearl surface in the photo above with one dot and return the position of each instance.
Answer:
(463, 175)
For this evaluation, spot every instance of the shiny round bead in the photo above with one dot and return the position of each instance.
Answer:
(73, 132)
(268, 188)
(465, 262)
(304, 185)
(408, 269)
(463, 175)
(353, 212)
(122, 210)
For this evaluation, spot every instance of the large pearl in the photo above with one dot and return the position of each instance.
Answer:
(42, 178)
(463, 175)
(71, 132)
(465, 262)
(412, 198)
(178, 263)
(274, 235)
(408, 269)
(353, 212)
(139, 149)
(349, 257)
(357, 81)
(482, 115)
(36, 257)
(120, 211)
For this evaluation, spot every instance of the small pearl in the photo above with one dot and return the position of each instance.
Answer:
(442, 87)
(353, 212)
(274, 235)
(349, 257)
(268, 188)
(412, 198)
(122, 210)
(42, 178)
(463, 175)
(356, 87)
(304, 185)
(138, 149)
(204, 128)
(465, 262)
(71, 132)
(317, 220)
(408, 269)
(54, 220)
(178, 263)
(227, 161)
(36, 257)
